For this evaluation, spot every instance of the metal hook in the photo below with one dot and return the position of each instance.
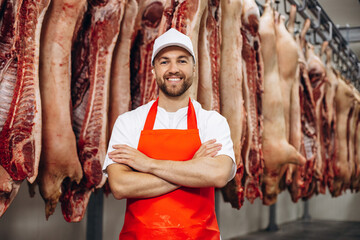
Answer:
(261, 7)
(348, 73)
(358, 71)
(301, 8)
(285, 8)
(330, 35)
(335, 59)
(314, 38)
(317, 24)
(277, 5)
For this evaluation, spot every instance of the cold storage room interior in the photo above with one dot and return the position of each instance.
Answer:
(50, 58)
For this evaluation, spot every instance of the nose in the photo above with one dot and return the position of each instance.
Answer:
(173, 68)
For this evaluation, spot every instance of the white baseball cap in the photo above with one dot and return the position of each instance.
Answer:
(172, 37)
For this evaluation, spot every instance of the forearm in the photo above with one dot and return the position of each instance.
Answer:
(126, 183)
(199, 172)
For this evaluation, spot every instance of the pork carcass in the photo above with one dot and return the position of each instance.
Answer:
(208, 94)
(91, 62)
(185, 16)
(20, 111)
(289, 73)
(59, 157)
(353, 122)
(344, 99)
(329, 119)
(302, 176)
(8, 190)
(276, 149)
(317, 76)
(147, 24)
(231, 98)
(355, 181)
(120, 97)
(252, 92)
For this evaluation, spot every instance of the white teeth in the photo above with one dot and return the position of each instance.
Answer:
(174, 79)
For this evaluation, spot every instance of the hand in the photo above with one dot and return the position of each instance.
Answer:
(208, 149)
(130, 157)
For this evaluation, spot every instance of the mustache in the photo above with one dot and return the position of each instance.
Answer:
(179, 75)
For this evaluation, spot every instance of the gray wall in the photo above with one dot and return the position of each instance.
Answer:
(25, 218)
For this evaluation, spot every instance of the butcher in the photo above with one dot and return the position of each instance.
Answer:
(167, 156)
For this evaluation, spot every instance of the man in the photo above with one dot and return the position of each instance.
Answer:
(171, 154)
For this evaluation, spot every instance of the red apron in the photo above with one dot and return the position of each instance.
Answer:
(186, 213)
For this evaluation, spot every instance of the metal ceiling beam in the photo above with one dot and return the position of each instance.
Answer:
(351, 34)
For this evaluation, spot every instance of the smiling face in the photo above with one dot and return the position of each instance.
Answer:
(174, 71)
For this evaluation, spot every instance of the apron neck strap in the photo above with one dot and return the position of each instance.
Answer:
(150, 120)
(191, 116)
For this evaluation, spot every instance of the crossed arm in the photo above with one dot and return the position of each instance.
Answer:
(156, 177)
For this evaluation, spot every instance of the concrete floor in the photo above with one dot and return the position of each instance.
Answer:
(309, 230)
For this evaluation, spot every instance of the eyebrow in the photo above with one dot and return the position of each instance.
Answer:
(182, 56)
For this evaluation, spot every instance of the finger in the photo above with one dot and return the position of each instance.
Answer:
(216, 146)
(117, 146)
(211, 141)
(121, 146)
(116, 152)
(211, 153)
(119, 155)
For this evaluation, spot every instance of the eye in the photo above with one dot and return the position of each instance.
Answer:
(182, 61)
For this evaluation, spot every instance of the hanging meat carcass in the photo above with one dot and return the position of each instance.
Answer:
(208, 94)
(355, 178)
(20, 118)
(120, 97)
(317, 76)
(276, 149)
(288, 71)
(344, 100)
(20, 110)
(252, 92)
(59, 157)
(91, 62)
(231, 99)
(186, 16)
(147, 25)
(302, 183)
(329, 119)
(352, 138)
(8, 190)
(288, 59)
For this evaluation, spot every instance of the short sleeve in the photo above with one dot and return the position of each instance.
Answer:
(122, 133)
(218, 128)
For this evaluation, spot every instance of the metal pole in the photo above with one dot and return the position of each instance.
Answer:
(94, 224)
(272, 227)
(217, 205)
(306, 215)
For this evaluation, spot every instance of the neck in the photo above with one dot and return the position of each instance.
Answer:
(172, 104)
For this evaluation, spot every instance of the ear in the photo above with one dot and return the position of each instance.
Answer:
(153, 71)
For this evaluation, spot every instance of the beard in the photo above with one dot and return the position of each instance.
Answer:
(174, 91)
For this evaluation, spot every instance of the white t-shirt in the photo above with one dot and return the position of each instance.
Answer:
(211, 125)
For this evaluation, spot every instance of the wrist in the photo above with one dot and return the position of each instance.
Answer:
(151, 165)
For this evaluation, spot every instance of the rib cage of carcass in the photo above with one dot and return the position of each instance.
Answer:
(69, 68)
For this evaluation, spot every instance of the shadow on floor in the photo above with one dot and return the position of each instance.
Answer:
(309, 230)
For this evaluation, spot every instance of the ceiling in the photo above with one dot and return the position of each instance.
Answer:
(342, 13)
